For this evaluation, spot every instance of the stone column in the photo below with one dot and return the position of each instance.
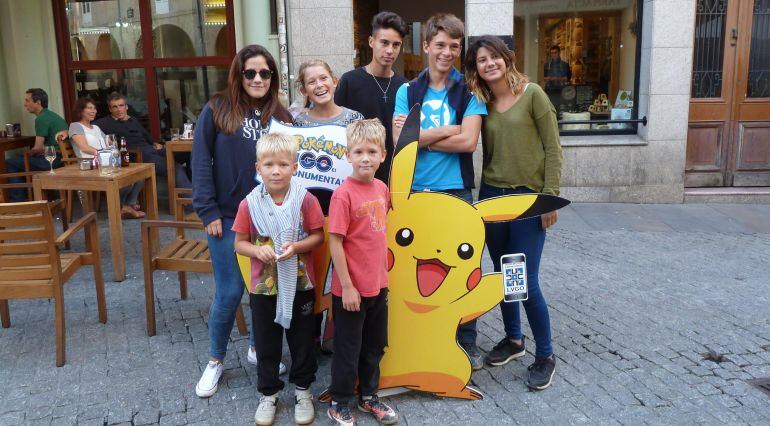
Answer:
(320, 29)
(494, 17)
(487, 17)
(664, 93)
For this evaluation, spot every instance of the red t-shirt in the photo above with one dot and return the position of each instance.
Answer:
(263, 280)
(358, 211)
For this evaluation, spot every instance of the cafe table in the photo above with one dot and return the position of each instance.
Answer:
(72, 178)
(172, 146)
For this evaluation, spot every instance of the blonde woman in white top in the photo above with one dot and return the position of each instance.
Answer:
(87, 139)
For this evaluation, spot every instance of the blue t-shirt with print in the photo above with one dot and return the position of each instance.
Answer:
(436, 170)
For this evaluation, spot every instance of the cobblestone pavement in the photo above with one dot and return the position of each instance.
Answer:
(637, 293)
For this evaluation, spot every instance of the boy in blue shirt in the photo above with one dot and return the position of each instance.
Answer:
(450, 123)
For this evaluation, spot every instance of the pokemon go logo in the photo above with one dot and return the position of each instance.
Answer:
(308, 160)
(320, 154)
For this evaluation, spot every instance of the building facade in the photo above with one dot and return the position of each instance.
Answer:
(665, 101)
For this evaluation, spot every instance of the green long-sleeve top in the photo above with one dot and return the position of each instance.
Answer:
(521, 145)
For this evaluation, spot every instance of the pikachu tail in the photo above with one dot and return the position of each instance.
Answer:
(544, 204)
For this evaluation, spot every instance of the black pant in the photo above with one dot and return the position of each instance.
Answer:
(268, 338)
(158, 157)
(359, 343)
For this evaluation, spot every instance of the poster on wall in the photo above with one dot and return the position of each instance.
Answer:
(161, 7)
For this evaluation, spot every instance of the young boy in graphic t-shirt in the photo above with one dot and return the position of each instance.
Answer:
(277, 226)
(357, 240)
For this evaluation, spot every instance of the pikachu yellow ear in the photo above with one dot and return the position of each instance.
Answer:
(402, 168)
(520, 206)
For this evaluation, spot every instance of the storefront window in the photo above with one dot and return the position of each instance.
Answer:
(99, 84)
(183, 28)
(584, 55)
(182, 93)
(103, 29)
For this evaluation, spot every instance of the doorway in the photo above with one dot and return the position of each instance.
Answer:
(728, 138)
(412, 60)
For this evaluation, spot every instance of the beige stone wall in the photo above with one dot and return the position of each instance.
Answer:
(28, 48)
(320, 29)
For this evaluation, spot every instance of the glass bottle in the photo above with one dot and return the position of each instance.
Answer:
(124, 160)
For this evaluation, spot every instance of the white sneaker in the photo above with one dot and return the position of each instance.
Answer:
(304, 412)
(209, 382)
(251, 358)
(265, 414)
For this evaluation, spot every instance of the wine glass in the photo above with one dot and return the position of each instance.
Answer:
(50, 155)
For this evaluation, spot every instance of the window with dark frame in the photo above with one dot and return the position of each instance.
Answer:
(273, 18)
(586, 57)
(166, 82)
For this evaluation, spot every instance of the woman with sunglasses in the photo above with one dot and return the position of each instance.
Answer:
(223, 159)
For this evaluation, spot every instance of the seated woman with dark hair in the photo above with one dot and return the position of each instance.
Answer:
(87, 139)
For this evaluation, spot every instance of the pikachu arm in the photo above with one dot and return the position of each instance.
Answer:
(485, 296)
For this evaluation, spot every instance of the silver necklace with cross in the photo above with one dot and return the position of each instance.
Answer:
(384, 92)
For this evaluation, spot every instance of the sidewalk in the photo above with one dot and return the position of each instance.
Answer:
(637, 294)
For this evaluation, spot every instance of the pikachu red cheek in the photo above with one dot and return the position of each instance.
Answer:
(473, 279)
(391, 260)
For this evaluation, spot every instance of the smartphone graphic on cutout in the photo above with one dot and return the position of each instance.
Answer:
(514, 272)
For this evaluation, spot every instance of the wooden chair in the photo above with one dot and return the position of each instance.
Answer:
(182, 255)
(31, 265)
(57, 206)
(67, 157)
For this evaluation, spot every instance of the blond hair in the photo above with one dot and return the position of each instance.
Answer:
(276, 143)
(309, 64)
(366, 131)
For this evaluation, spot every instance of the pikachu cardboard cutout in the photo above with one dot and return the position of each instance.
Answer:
(435, 243)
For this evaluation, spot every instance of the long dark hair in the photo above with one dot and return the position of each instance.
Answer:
(232, 105)
(515, 79)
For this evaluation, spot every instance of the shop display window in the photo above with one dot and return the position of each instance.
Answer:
(585, 55)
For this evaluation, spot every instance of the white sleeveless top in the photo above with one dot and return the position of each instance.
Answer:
(94, 136)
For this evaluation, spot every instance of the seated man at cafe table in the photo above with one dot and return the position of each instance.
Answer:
(47, 125)
(138, 138)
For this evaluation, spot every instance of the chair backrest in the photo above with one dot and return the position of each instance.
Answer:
(65, 146)
(27, 248)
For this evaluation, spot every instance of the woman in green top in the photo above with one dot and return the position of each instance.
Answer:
(522, 154)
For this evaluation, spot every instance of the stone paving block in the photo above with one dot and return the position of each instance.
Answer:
(647, 281)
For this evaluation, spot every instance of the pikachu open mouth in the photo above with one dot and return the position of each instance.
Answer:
(431, 273)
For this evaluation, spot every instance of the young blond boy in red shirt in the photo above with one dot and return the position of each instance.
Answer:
(277, 226)
(357, 240)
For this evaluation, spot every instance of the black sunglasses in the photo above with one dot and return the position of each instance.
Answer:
(264, 74)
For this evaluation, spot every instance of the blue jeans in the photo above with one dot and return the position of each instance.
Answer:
(228, 291)
(16, 165)
(466, 333)
(521, 236)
